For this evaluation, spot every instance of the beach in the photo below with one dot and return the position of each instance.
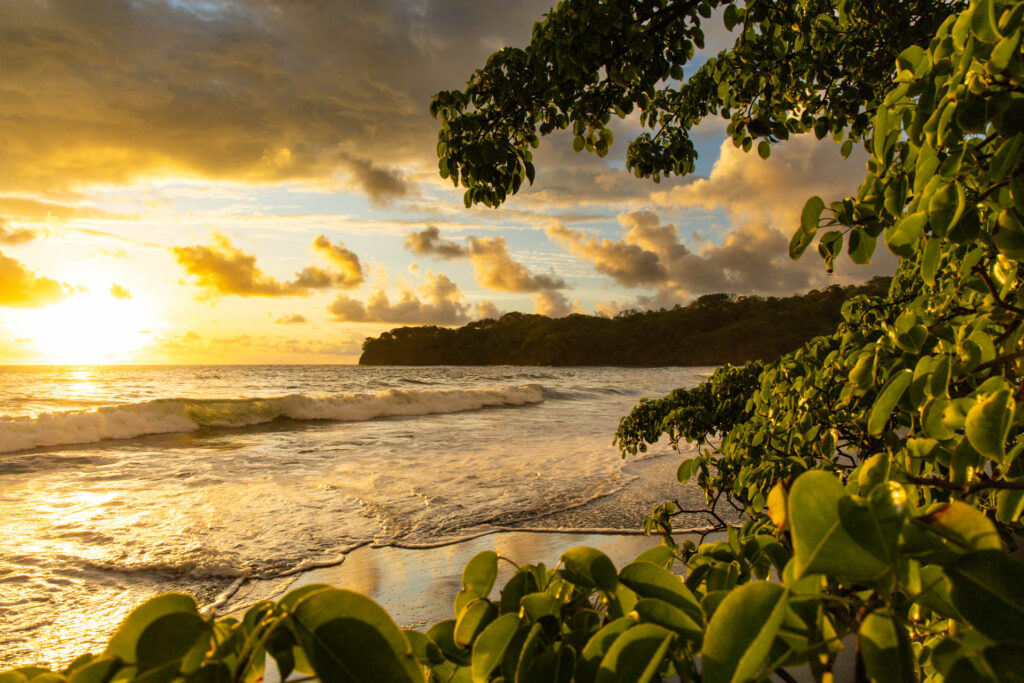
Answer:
(233, 484)
(417, 583)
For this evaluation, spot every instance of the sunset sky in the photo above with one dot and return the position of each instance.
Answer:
(248, 181)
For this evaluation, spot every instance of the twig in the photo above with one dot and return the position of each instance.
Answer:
(967, 488)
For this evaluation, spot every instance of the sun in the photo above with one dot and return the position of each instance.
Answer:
(93, 328)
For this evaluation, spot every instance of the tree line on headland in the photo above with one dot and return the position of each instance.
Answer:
(711, 330)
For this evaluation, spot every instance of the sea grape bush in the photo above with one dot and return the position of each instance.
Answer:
(878, 468)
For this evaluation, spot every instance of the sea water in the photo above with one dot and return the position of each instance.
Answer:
(117, 483)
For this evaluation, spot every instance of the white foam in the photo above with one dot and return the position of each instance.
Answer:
(165, 416)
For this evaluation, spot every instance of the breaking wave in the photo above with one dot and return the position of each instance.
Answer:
(163, 416)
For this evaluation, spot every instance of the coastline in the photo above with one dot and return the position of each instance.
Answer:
(417, 583)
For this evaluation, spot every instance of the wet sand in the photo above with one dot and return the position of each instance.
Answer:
(418, 584)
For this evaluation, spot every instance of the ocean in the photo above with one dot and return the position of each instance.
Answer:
(117, 483)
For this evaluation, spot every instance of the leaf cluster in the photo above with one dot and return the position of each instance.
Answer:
(817, 65)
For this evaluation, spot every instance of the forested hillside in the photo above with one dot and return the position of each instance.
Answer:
(712, 330)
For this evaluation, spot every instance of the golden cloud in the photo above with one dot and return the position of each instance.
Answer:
(21, 288)
(119, 292)
(224, 269)
(251, 91)
(494, 266)
(554, 305)
(437, 302)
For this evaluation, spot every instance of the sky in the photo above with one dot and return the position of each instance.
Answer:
(250, 181)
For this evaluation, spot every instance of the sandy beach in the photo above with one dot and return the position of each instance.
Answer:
(418, 584)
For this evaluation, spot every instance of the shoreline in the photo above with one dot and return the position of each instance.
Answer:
(417, 582)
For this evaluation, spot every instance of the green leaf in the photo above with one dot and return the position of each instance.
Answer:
(742, 630)
(538, 605)
(651, 581)
(523, 582)
(636, 655)
(988, 590)
(489, 647)
(862, 246)
(930, 260)
(764, 149)
(480, 572)
(950, 530)
(472, 620)
(424, 650)
(1010, 504)
(652, 610)
(598, 645)
(349, 637)
(443, 635)
(833, 533)
(811, 214)
(577, 143)
(99, 670)
(125, 641)
(887, 400)
(169, 638)
(988, 423)
(885, 649)
(590, 568)
(660, 555)
(902, 238)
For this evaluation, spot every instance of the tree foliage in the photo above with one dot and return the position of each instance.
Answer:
(878, 468)
(712, 330)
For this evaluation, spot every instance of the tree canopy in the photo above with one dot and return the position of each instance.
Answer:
(878, 468)
(712, 330)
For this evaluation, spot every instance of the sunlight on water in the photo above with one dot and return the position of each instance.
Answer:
(317, 461)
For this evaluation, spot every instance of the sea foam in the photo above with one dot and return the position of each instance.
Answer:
(163, 416)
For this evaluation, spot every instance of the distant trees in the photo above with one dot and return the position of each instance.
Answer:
(713, 329)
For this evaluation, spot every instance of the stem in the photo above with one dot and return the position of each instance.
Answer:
(967, 489)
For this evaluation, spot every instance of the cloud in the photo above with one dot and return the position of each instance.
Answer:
(428, 241)
(21, 288)
(555, 305)
(253, 91)
(224, 269)
(773, 189)
(487, 309)
(628, 264)
(11, 236)
(119, 292)
(437, 302)
(381, 185)
(753, 258)
(495, 268)
(292, 319)
(349, 272)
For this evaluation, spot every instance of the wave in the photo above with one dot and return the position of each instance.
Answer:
(164, 416)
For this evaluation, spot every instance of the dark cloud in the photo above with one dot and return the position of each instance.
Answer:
(21, 288)
(429, 242)
(752, 259)
(263, 90)
(381, 185)
(628, 264)
(292, 319)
